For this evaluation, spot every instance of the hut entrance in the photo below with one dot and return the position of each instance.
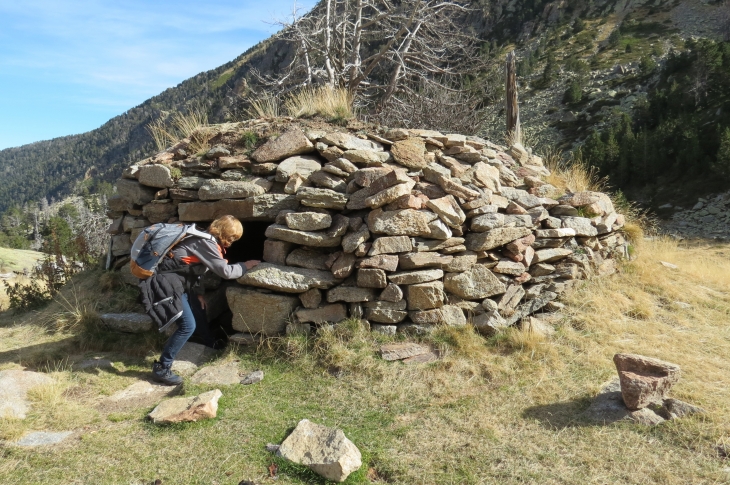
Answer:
(251, 245)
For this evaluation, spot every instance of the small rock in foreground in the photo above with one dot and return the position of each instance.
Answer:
(402, 351)
(253, 377)
(184, 409)
(326, 451)
(644, 380)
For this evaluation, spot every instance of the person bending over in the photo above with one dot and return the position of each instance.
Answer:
(190, 259)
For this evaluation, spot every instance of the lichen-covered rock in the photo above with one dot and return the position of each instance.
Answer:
(385, 311)
(484, 241)
(259, 208)
(474, 284)
(333, 313)
(155, 176)
(259, 313)
(159, 211)
(305, 238)
(446, 315)
(291, 142)
(321, 198)
(406, 222)
(287, 279)
(425, 296)
(233, 189)
(390, 245)
(413, 277)
(351, 294)
(134, 192)
(308, 221)
(346, 141)
(184, 409)
(410, 153)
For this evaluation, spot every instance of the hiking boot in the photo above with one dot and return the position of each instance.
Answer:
(164, 374)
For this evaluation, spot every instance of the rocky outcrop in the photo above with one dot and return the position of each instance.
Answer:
(420, 228)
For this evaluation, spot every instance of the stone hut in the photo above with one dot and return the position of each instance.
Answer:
(406, 229)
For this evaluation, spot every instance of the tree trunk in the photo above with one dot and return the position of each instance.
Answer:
(328, 45)
(356, 39)
(514, 131)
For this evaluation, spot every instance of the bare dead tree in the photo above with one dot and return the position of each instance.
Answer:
(514, 131)
(376, 48)
(454, 110)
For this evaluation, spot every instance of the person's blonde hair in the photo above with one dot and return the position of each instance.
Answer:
(227, 229)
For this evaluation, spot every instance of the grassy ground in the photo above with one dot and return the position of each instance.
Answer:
(502, 410)
(15, 260)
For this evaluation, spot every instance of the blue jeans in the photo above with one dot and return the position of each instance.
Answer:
(185, 328)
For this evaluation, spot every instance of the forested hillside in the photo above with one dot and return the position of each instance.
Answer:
(583, 65)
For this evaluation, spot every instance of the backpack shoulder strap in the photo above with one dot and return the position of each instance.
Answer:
(193, 231)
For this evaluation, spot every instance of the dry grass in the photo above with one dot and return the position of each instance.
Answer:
(572, 175)
(501, 410)
(332, 104)
(191, 125)
(265, 105)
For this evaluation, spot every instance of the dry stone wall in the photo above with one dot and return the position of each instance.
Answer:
(405, 228)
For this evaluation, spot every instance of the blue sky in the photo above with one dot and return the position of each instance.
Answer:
(67, 66)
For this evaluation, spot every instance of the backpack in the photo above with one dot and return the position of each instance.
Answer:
(155, 242)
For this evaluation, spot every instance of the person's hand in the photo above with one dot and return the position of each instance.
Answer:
(201, 299)
(252, 263)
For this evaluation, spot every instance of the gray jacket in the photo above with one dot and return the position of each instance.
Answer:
(208, 253)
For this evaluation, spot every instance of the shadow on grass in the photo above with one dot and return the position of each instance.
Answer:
(39, 354)
(577, 413)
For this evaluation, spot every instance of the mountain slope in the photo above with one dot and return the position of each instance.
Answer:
(543, 32)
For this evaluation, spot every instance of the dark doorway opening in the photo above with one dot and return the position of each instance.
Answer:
(251, 245)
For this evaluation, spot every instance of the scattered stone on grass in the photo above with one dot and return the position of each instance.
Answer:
(186, 409)
(138, 395)
(43, 438)
(253, 378)
(402, 351)
(644, 380)
(94, 363)
(429, 356)
(220, 375)
(326, 451)
(196, 353)
(14, 386)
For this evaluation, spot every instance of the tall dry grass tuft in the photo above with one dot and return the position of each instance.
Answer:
(191, 124)
(571, 175)
(265, 105)
(77, 313)
(334, 104)
(575, 175)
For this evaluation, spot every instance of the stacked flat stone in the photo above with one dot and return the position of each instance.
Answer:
(404, 228)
